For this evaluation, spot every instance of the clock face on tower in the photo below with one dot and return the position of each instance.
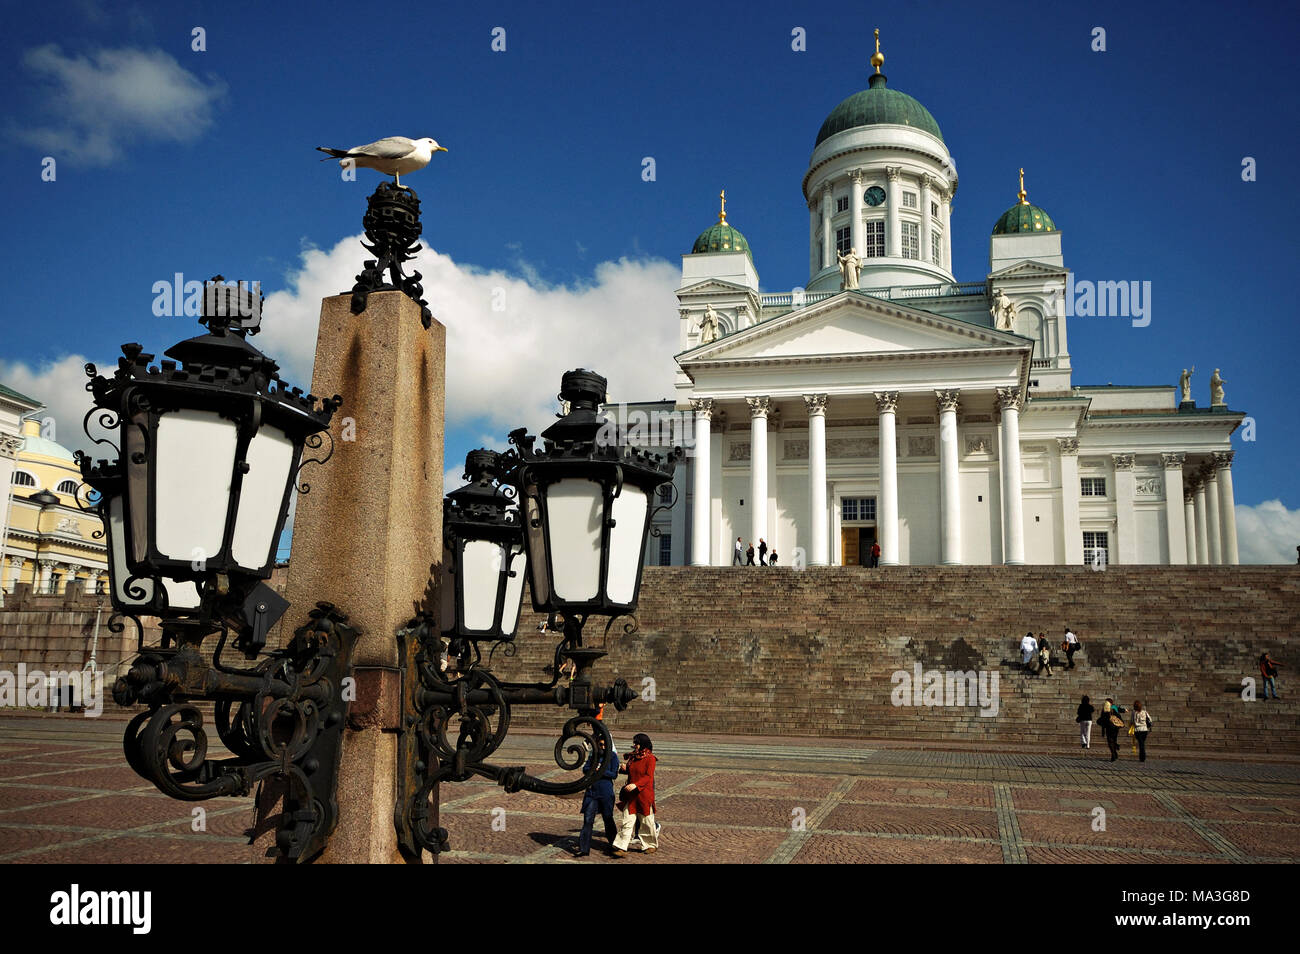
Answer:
(874, 196)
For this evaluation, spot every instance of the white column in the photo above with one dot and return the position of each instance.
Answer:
(818, 549)
(1202, 534)
(855, 210)
(758, 408)
(47, 571)
(1227, 507)
(893, 231)
(1189, 523)
(949, 479)
(17, 563)
(927, 222)
(887, 505)
(1175, 522)
(1070, 491)
(828, 231)
(1125, 550)
(1013, 511)
(1213, 524)
(945, 211)
(814, 253)
(701, 504)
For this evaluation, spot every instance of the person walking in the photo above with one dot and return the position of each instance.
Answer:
(637, 798)
(599, 800)
(875, 554)
(1083, 716)
(1268, 668)
(1028, 650)
(762, 552)
(1044, 654)
(749, 556)
(1141, 726)
(1071, 647)
(1111, 722)
(738, 559)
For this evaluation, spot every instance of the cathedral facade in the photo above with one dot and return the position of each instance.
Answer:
(889, 403)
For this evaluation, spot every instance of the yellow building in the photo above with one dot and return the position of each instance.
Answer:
(47, 538)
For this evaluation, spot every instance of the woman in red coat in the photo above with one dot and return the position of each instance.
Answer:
(637, 798)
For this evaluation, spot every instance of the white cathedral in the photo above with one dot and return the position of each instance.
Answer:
(887, 402)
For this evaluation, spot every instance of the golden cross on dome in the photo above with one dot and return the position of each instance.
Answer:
(877, 58)
(722, 216)
(1023, 200)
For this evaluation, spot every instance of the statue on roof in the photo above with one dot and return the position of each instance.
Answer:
(1216, 390)
(1185, 385)
(1003, 311)
(850, 270)
(708, 325)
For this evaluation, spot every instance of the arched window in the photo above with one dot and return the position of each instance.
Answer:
(68, 487)
(23, 479)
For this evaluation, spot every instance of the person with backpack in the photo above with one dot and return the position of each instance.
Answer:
(1268, 672)
(1141, 726)
(1083, 716)
(1111, 722)
(1071, 646)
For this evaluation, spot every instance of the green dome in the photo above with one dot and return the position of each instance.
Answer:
(722, 238)
(46, 448)
(875, 106)
(1023, 217)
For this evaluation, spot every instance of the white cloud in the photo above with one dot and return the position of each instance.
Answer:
(96, 105)
(1267, 532)
(61, 386)
(504, 366)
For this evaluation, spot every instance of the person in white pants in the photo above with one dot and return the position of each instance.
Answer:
(1084, 718)
(637, 798)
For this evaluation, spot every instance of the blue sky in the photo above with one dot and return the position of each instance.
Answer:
(173, 160)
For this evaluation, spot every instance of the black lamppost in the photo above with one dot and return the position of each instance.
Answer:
(575, 516)
(209, 446)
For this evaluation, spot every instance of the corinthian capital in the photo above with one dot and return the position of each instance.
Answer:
(759, 405)
(1173, 461)
(1069, 446)
(893, 172)
(1122, 461)
(948, 400)
(886, 402)
(816, 403)
(1008, 399)
(1223, 459)
(703, 407)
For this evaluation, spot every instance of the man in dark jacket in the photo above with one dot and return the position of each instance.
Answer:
(762, 552)
(598, 800)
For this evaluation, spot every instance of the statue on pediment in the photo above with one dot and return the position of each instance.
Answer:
(1216, 390)
(1185, 385)
(708, 325)
(850, 270)
(1003, 311)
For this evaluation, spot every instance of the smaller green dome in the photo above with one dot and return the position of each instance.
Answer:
(1023, 217)
(33, 444)
(722, 238)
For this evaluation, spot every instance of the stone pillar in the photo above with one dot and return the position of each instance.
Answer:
(1189, 524)
(945, 211)
(828, 230)
(814, 251)
(949, 479)
(1013, 512)
(1227, 507)
(893, 230)
(1175, 523)
(17, 563)
(927, 221)
(1202, 533)
(1126, 547)
(47, 571)
(1070, 491)
(758, 408)
(1214, 527)
(855, 210)
(701, 509)
(887, 509)
(818, 553)
(365, 536)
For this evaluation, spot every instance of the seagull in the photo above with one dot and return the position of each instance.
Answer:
(391, 156)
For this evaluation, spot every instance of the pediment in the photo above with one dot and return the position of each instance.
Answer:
(852, 324)
(1027, 269)
(713, 286)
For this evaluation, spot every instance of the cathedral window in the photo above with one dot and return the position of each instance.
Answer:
(666, 549)
(1092, 487)
(67, 487)
(842, 204)
(936, 248)
(909, 200)
(843, 240)
(873, 233)
(911, 240)
(23, 479)
(1095, 546)
(934, 208)
(858, 508)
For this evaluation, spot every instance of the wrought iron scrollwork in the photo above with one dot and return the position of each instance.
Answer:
(313, 442)
(459, 715)
(281, 719)
(392, 226)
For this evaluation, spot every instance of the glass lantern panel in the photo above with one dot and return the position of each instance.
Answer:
(514, 592)
(137, 483)
(536, 540)
(269, 457)
(141, 589)
(626, 543)
(574, 507)
(480, 579)
(181, 596)
(193, 464)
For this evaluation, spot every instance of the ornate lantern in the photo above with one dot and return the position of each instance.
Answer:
(483, 569)
(586, 502)
(211, 444)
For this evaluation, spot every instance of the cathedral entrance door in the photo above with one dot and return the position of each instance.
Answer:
(855, 545)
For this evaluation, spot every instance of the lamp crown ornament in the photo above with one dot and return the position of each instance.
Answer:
(392, 226)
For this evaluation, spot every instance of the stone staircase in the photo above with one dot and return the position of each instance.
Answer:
(778, 651)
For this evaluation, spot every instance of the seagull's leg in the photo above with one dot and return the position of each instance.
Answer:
(398, 177)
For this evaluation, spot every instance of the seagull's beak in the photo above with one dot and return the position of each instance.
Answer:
(441, 149)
